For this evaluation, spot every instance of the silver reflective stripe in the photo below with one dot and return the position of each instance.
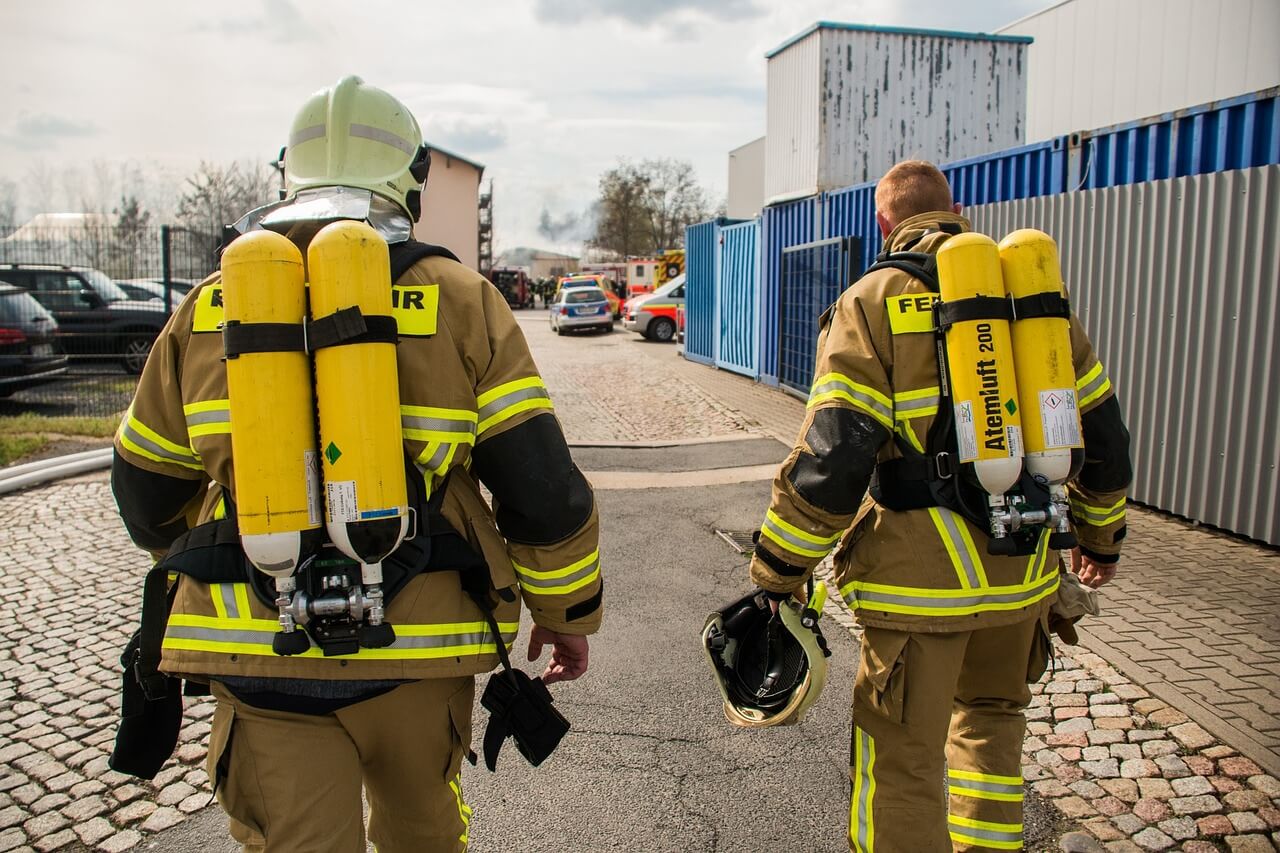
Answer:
(902, 406)
(316, 131)
(976, 599)
(1098, 518)
(377, 134)
(951, 522)
(985, 834)
(863, 804)
(265, 638)
(152, 447)
(535, 582)
(862, 397)
(437, 458)
(228, 593)
(1094, 384)
(494, 406)
(960, 786)
(213, 416)
(792, 539)
(438, 424)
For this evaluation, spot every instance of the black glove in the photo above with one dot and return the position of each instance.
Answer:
(520, 707)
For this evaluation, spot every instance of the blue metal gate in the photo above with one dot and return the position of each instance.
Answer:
(738, 299)
(813, 276)
(701, 249)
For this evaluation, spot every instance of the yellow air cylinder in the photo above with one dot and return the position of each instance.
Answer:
(980, 365)
(1042, 358)
(277, 475)
(366, 504)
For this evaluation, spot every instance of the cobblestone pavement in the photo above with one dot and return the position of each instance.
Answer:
(1159, 733)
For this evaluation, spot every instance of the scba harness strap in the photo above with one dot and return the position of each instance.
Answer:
(936, 478)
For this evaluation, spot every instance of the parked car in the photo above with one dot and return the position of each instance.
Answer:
(96, 318)
(581, 308)
(145, 289)
(598, 281)
(30, 354)
(654, 314)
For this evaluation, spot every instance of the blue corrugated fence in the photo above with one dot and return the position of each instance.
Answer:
(738, 299)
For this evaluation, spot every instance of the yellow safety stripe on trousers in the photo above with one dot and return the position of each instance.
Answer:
(985, 833)
(208, 417)
(464, 810)
(793, 539)
(190, 632)
(146, 442)
(862, 829)
(509, 399)
(1092, 385)
(835, 386)
(560, 581)
(921, 601)
(1098, 516)
(959, 544)
(984, 786)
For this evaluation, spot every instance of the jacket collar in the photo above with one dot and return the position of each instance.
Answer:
(909, 232)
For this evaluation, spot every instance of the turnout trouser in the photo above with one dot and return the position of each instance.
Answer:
(292, 782)
(920, 698)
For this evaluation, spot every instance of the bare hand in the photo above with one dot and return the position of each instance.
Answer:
(1091, 574)
(568, 654)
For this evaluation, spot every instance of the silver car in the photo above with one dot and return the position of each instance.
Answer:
(581, 308)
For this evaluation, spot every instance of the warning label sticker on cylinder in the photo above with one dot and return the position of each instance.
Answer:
(966, 432)
(1014, 436)
(311, 464)
(340, 497)
(1060, 418)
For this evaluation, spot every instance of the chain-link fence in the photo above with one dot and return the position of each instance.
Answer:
(81, 304)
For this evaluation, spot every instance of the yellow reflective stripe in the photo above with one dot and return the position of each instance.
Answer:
(861, 811)
(836, 386)
(433, 423)
(1036, 563)
(1092, 385)
(916, 404)
(793, 539)
(984, 786)
(905, 430)
(254, 637)
(219, 604)
(242, 598)
(220, 509)
(146, 442)
(464, 810)
(922, 601)
(1098, 516)
(985, 833)
(509, 399)
(560, 581)
(208, 417)
(959, 544)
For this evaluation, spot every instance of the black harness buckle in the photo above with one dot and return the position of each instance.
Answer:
(945, 465)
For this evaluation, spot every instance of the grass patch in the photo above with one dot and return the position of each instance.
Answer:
(28, 424)
(14, 447)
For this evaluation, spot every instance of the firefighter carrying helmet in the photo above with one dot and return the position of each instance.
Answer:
(770, 667)
(358, 136)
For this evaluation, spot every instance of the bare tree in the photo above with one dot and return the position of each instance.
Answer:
(644, 208)
(217, 195)
(8, 203)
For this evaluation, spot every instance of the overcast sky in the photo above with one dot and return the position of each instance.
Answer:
(546, 93)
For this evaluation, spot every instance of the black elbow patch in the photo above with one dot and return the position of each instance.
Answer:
(1106, 444)
(149, 503)
(540, 495)
(834, 473)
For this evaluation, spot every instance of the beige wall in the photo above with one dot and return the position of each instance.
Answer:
(548, 266)
(451, 208)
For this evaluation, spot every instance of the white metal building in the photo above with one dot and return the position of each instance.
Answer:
(746, 180)
(1101, 62)
(847, 101)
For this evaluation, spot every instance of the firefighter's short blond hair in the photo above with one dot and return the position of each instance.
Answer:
(912, 187)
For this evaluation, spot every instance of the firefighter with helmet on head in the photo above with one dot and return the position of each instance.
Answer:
(304, 463)
(949, 562)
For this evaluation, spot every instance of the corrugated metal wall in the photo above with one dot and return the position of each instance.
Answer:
(738, 299)
(887, 96)
(781, 225)
(791, 120)
(1178, 284)
(700, 247)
